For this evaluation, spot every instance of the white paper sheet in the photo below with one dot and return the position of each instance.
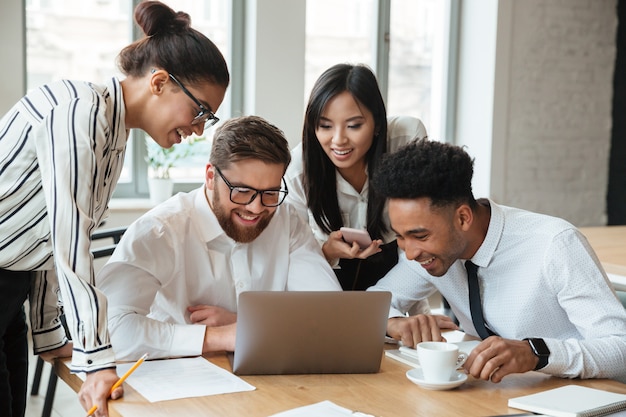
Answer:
(170, 379)
(324, 408)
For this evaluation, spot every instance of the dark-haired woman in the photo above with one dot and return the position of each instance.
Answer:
(346, 131)
(62, 153)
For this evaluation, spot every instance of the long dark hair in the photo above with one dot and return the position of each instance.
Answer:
(319, 172)
(172, 44)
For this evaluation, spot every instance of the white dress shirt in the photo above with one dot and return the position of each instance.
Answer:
(401, 130)
(177, 255)
(61, 156)
(539, 277)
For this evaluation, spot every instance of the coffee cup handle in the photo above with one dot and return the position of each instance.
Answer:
(461, 359)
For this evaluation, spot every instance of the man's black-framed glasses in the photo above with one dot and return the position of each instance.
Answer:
(245, 195)
(204, 116)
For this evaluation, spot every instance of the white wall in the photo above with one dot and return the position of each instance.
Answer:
(12, 83)
(475, 87)
(274, 63)
(534, 103)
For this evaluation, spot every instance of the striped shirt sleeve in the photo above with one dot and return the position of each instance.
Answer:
(73, 134)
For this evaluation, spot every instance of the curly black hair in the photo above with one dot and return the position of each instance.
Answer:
(439, 171)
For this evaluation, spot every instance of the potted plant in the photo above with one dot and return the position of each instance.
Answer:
(160, 160)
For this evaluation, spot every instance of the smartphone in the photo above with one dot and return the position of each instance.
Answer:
(356, 235)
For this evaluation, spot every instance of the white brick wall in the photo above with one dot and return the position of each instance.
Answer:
(560, 100)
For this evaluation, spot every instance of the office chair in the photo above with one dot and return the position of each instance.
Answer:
(115, 234)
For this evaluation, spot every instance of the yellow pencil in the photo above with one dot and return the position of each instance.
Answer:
(120, 381)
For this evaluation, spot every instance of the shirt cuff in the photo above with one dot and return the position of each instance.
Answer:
(45, 340)
(188, 340)
(103, 358)
(394, 312)
(556, 359)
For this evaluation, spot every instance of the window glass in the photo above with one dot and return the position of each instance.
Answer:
(80, 39)
(416, 61)
(345, 31)
(337, 31)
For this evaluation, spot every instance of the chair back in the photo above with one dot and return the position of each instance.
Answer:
(115, 234)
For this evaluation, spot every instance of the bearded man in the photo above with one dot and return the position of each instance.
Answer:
(174, 279)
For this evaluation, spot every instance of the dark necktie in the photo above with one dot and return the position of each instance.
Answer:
(474, 299)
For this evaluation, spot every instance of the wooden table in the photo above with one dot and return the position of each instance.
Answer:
(609, 243)
(387, 393)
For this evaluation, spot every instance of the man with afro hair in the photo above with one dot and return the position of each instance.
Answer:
(546, 301)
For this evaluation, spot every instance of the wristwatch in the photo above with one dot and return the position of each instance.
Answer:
(540, 349)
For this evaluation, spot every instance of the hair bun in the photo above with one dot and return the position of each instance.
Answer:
(154, 18)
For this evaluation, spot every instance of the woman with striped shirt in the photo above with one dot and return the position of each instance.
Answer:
(61, 153)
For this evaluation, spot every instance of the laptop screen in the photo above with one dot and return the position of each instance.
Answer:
(310, 332)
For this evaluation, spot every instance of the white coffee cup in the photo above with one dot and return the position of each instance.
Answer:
(439, 360)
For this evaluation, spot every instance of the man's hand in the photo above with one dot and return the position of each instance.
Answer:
(95, 391)
(419, 328)
(211, 316)
(337, 248)
(220, 338)
(495, 357)
(64, 351)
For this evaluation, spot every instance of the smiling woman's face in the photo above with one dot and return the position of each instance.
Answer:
(346, 131)
(175, 111)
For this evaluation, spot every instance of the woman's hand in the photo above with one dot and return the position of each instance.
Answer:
(96, 389)
(335, 248)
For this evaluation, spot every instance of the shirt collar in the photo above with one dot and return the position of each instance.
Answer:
(117, 113)
(210, 229)
(345, 187)
(487, 249)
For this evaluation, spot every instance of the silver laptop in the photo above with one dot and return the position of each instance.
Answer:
(310, 332)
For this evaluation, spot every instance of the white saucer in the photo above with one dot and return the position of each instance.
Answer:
(416, 376)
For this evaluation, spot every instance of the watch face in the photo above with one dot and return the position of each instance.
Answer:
(540, 349)
(539, 346)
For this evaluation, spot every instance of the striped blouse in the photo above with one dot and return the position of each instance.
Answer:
(61, 154)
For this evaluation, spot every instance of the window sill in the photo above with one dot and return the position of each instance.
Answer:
(130, 204)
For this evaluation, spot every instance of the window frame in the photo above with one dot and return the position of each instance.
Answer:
(137, 188)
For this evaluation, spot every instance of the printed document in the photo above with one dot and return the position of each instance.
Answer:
(171, 379)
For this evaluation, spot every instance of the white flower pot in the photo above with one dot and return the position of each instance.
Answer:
(160, 189)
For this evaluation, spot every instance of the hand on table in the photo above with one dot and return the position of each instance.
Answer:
(211, 316)
(419, 328)
(220, 338)
(96, 389)
(495, 357)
